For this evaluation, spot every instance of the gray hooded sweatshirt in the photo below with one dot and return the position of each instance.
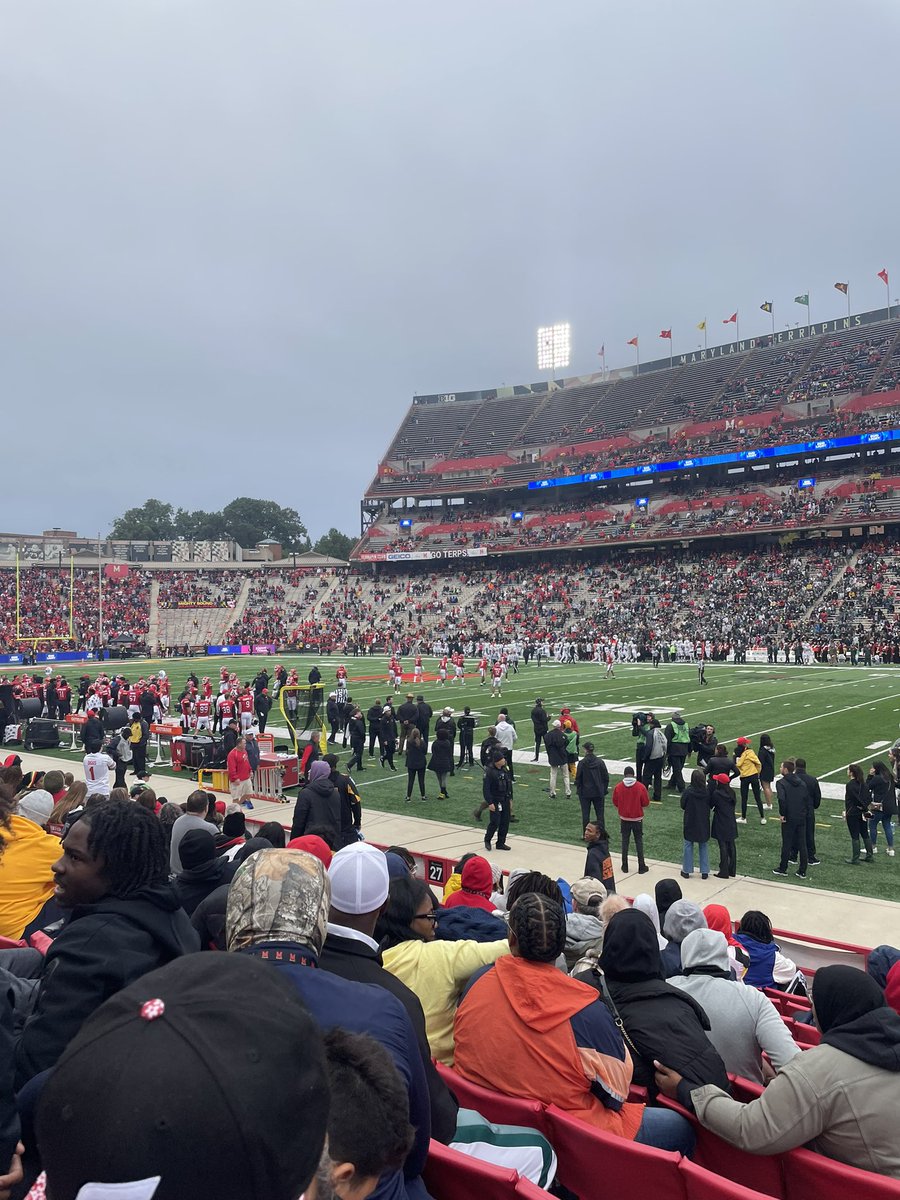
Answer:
(743, 1021)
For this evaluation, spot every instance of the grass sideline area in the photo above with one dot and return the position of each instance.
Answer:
(830, 715)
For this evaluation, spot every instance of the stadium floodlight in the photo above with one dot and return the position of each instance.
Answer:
(554, 345)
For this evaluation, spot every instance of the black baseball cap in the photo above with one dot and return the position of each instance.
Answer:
(209, 1073)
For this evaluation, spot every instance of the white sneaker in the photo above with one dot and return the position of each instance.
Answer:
(741, 820)
(890, 851)
(768, 806)
(874, 849)
(762, 820)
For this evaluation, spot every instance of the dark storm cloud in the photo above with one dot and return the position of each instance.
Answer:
(236, 238)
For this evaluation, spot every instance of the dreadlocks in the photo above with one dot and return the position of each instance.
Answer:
(539, 924)
(131, 843)
(536, 882)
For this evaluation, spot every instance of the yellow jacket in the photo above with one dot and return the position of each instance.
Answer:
(26, 881)
(748, 763)
(437, 972)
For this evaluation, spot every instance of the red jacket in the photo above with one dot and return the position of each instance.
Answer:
(238, 766)
(630, 801)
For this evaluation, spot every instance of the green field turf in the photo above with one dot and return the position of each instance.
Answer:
(831, 716)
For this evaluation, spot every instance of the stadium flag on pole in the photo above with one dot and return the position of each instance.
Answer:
(116, 570)
(767, 306)
(885, 279)
(666, 334)
(632, 342)
(803, 299)
(702, 326)
(732, 320)
(843, 287)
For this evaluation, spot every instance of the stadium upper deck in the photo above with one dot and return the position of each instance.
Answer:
(748, 392)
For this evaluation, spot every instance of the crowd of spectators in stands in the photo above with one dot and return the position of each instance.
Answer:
(199, 587)
(43, 608)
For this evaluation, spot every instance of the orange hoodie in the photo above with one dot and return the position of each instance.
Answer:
(526, 1029)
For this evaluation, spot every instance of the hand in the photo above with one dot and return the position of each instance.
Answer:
(768, 1071)
(492, 808)
(667, 1080)
(14, 1175)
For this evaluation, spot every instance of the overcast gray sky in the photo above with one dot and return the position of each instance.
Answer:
(235, 238)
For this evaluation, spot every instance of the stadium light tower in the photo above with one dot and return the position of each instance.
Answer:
(554, 346)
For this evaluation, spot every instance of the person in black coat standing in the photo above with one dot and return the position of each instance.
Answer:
(407, 719)
(441, 759)
(497, 791)
(540, 722)
(591, 784)
(262, 704)
(695, 803)
(373, 716)
(794, 803)
(466, 728)
(856, 803)
(388, 736)
(423, 721)
(356, 728)
(815, 795)
(724, 824)
(416, 758)
(92, 734)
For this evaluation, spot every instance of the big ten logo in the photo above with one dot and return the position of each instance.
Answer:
(435, 870)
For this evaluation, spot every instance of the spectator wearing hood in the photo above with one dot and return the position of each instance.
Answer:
(645, 903)
(318, 803)
(794, 804)
(278, 906)
(584, 928)
(683, 918)
(744, 1023)
(124, 921)
(838, 1098)
(27, 854)
(695, 825)
(724, 824)
(476, 885)
(719, 918)
(202, 871)
(666, 892)
(659, 1020)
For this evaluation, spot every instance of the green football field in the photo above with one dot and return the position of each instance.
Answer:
(830, 716)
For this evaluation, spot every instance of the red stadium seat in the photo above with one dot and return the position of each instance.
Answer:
(450, 1175)
(526, 1190)
(494, 1106)
(759, 1172)
(810, 1176)
(745, 1090)
(803, 1034)
(700, 1184)
(594, 1164)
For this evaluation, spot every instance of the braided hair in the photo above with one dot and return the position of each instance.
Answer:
(756, 925)
(534, 882)
(131, 843)
(7, 807)
(539, 924)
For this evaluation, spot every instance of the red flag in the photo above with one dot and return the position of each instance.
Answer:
(883, 276)
(632, 342)
(666, 333)
(116, 570)
(732, 320)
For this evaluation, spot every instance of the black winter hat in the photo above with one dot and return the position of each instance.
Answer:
(196, 847)
(169, 1057)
